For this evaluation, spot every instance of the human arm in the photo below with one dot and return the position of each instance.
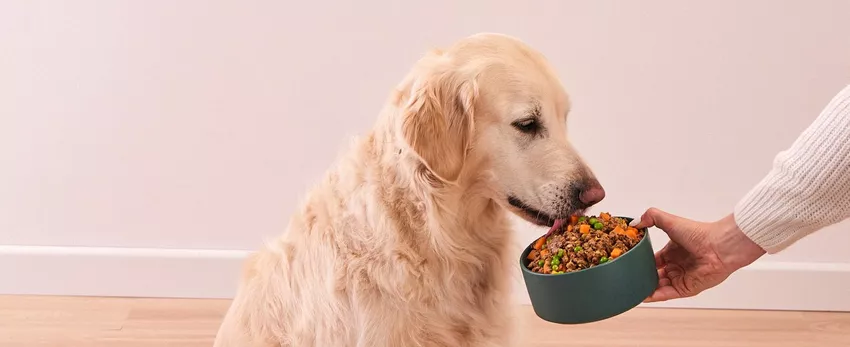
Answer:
(807, 189)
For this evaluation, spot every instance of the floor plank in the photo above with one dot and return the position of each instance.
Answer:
(30, 321)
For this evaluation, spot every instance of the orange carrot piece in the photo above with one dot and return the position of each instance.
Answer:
(616, 253)
(632, 233)
(584, 229)
(544, 252)
(532, 254)
(619, 231)
(539, 244)
(573, 219)
(569, 228)
(605, 216)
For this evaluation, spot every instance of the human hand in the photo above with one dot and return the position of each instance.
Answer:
(699, 255)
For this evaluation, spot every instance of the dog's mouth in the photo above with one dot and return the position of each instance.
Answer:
(539, 217)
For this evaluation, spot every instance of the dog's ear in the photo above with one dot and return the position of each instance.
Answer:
(437, 117)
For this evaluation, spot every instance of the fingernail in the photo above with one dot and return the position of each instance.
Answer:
(634, 222)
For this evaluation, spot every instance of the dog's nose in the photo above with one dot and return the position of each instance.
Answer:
(593, 194)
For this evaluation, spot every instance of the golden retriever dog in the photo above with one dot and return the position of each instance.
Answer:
(407, 240)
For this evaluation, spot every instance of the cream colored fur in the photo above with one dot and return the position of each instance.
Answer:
(407, 240)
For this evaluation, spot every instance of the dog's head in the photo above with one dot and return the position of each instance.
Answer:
(492, 104)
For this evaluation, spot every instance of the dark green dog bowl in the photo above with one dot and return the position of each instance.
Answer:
(596, 293)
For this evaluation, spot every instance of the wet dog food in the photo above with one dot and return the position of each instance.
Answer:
(582, 243)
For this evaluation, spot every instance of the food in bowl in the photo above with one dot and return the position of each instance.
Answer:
(584, 242)
(600, 291)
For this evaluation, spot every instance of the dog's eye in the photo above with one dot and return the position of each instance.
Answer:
(528, 125)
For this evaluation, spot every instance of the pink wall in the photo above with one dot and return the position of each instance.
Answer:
(198, 124)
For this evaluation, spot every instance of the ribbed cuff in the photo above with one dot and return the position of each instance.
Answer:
(750, 216)
(770, 240)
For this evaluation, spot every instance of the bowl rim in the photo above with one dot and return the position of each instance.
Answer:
(530, 245)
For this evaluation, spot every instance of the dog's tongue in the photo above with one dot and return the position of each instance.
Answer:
(557, 225)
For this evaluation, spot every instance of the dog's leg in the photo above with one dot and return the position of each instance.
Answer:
(248, 322)
(233, 331)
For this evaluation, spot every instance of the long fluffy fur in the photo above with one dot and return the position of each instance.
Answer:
(401, 243)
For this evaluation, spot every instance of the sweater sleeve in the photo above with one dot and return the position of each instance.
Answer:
(808, 187)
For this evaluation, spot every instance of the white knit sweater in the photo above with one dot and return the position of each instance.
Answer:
(809, 185)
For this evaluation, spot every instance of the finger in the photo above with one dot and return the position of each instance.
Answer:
(663, 279)
(652, 217)
(667, 222)
(659, 261)
(663, 294)
(662, 273)
(644, 221)
(662, 255)
(660, 293)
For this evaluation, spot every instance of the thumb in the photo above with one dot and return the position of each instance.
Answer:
(682, 231)
(659, 219)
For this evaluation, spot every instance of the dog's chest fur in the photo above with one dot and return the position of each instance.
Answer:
(396, 267)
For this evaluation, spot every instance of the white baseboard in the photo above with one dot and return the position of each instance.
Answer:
(186, 273)
(126, 272)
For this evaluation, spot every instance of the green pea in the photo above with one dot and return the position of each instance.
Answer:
(555, 261)
(582, 218)
(598, 226)
(540, 262)
(592, 221)
(577, 249)
(603, 260)
(560, 252)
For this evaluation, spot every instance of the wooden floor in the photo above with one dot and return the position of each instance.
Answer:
(116, 322)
